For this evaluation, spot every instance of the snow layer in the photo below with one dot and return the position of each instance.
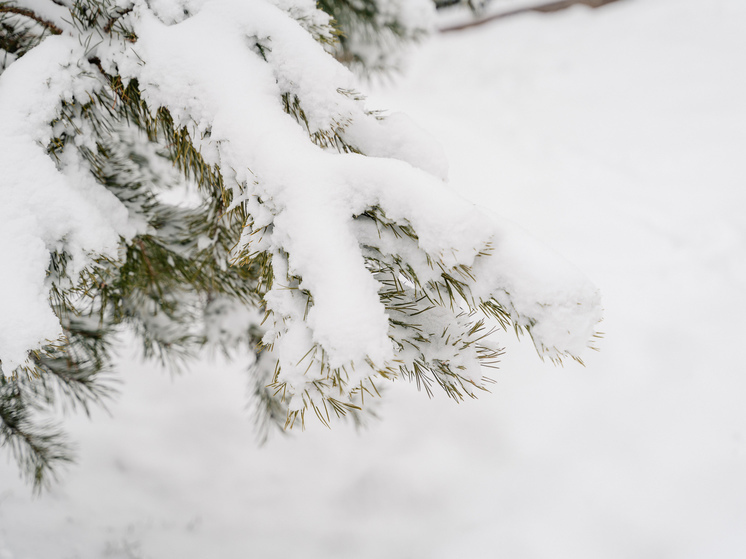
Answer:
(42, 209)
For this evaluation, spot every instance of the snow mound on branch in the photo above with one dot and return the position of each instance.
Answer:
(545, 294)
(398, 137)
(42, 209)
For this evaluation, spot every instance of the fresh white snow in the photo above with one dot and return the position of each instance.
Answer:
(616, 136)
(44, 209)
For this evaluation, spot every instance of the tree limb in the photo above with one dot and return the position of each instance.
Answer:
(544, 8)
(30, 14)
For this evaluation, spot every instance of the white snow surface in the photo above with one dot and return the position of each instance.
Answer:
(41, 208)
(617, 137)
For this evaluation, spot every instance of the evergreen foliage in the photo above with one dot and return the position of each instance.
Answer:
(207, 257)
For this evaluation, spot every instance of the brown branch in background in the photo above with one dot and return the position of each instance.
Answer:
(561, 5)
(29, 14)
(114, 19)
(544, 8)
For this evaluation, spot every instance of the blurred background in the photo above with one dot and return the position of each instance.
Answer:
(616, 135)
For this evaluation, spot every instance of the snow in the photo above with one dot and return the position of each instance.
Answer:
(615, 136)
(44, 209)
(396, 141)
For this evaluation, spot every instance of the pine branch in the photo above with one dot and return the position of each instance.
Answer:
(37, 448)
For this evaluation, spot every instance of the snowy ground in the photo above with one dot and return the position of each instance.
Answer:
(617, 136)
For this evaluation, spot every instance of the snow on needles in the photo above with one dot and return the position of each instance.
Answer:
(43, 209)
(304, 199)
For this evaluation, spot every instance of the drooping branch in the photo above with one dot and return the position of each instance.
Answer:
(32, 15)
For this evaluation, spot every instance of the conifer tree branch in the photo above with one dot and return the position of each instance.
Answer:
(6, 8)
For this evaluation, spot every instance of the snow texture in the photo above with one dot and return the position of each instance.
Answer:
(43, 209)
